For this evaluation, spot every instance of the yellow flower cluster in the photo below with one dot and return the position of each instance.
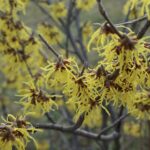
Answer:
(17, 46)
(141, 106)
(58, 10)
(137, 8)
(80, 89)
(87, 30)
(85, 4)
(125, 67)
(15, 132)
(12, 7)
(102, 36)
(84, 97)
(36, 101)
(51, 33)
(122, 76)
(132, 129)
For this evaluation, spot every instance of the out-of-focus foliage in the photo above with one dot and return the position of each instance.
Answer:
(138, 8)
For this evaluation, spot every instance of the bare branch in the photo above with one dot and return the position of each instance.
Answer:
(144, 29)
(78, 123)
(78, 132)
(49, 47)
(72, 41)
(113, 124)
(49, 117)
(105, 15)
(132, 21)
(46, 13)
(80, 36)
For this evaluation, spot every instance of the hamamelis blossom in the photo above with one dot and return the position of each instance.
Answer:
(137, 8)
(36, 100)
(125, 67)
(93, 117)
(58, 10)
(87, 30)
(83, 103)
(105, 84)
(128, 55)
(13, 7)
(140, 105)
(80, 89)
(83, 96)
(85, 4)
(18, 47)
(15, 132)
(102, 36)
(132, 129)
(16, 42)
(57, 74)
(51, 33)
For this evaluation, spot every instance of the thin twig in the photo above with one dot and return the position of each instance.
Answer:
(113, 124)
(80, 37)
(49, 117)
(105, 15)
(46, 13)
(68, 22)
(144, 29)
(29, 69)
(117, 144)
(72, 41)
(49, 46)
(78, 123)
(127, 22)
(132, 21)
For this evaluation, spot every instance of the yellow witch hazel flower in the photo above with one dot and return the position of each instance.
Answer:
(80, 89)
(137, 8)
(57, 74)
(17, 40)
(130, 59)
(104, 81)
(128, 55)
(13, 6)
(101, 37)
(140, 105)
(84, 98)
(15, 132)
(87, 30)
(93, 114)
(126, 70)
(58, 10)
(36, 100)
(51, 33)
(132, 129)
(95, 121)
(17, 46)
(85, 4)
(21, 5)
